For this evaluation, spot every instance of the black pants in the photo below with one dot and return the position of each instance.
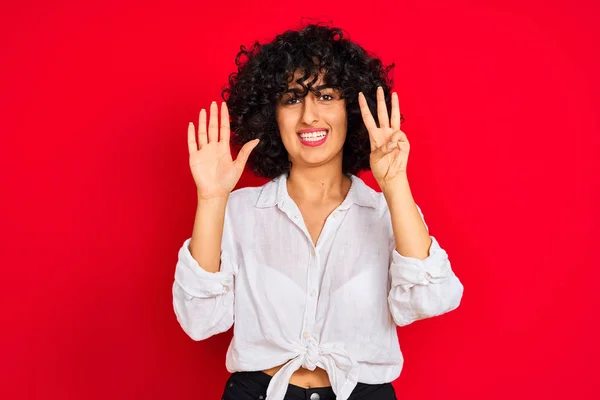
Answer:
(253, 386)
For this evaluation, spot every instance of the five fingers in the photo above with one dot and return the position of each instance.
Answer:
(212, 135)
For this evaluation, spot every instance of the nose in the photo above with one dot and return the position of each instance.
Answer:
(310, 113)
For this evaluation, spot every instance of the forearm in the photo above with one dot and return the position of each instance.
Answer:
(410, 233)
(205, 245)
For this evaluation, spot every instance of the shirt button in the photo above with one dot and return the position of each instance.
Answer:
(314, 252)
(313, 293)
(315, 396)
(306, 335)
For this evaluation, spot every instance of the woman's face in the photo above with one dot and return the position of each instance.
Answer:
(313, 129)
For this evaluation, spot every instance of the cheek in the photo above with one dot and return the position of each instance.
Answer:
(339, 119)
(285, 125)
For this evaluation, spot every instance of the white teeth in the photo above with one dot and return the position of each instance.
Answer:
(313, 136)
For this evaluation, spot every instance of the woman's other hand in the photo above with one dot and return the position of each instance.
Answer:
(389, 145)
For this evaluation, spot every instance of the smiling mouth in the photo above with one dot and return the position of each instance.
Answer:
(313, 136)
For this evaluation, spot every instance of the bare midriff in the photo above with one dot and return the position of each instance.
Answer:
(305, 378)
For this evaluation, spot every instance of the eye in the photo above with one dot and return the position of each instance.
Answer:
(296, 100)
(291, 100)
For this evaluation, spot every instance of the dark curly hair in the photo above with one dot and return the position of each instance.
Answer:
(263, 75)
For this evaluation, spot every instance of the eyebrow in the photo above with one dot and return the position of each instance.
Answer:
(296, 89)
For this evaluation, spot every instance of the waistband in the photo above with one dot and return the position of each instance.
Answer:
(294, 392)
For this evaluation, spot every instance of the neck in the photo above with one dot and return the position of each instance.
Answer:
(318, 185)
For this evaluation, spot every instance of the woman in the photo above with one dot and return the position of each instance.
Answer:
(315, 268)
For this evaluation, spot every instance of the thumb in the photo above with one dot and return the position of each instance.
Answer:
(244, 153)
(381, 151)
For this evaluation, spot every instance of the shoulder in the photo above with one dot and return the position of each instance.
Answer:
(250, 196)
(380, 202)
(372, 200)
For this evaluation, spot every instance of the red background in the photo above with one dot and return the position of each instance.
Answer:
(501, 102)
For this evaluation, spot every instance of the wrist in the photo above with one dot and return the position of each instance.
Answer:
(395, 185)
(214, 200)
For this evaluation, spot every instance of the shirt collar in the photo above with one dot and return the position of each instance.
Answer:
(275, 192)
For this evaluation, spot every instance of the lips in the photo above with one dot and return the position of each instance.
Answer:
(313, 137)
(311, 130)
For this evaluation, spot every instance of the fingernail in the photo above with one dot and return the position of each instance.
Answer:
(391, 145)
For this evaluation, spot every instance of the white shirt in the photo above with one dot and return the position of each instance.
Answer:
(334, 305)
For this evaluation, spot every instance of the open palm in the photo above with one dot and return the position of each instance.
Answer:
(215, 172)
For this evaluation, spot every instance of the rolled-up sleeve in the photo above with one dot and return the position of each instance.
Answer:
(422, 288)
(203, 301)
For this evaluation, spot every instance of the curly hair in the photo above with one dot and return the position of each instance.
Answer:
(264, 72)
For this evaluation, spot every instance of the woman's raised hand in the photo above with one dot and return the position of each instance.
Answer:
(213, 169)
